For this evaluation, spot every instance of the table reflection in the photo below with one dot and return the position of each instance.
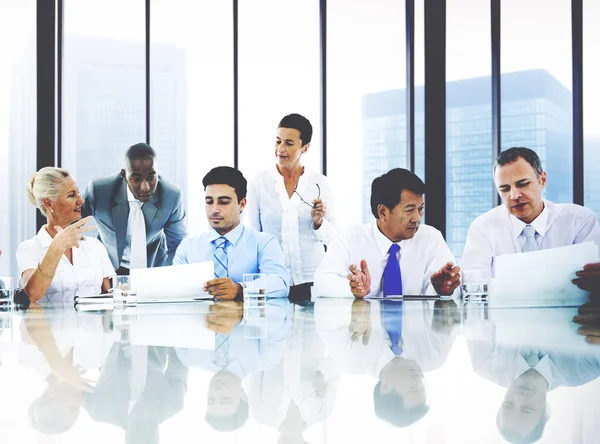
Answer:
(150, 373)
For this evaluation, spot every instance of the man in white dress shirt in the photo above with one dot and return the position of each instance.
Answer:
(526, 222)
(394, 254)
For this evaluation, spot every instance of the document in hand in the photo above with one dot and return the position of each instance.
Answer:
(541, 278)
(177, 283)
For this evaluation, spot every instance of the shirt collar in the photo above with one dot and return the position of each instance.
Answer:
(543, 368)
(539, 223)
(130, 196)
(383, 242)
(43, 237)
(274, 173)
(233, 236)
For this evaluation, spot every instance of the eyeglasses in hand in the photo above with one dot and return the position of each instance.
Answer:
(303, 201)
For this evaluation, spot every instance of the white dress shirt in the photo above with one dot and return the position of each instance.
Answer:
(497, 232)
(420, 342)
(126, 259)
(420, 257)
(271, 210)
(543, 367)
(83, 277)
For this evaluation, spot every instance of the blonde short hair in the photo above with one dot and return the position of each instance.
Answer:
(45, 184)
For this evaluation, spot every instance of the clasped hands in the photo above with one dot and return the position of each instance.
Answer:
(444, 281)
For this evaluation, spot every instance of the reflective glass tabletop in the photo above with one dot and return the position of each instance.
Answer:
(328, 371)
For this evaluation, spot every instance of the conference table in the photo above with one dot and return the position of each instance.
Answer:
(331, 370)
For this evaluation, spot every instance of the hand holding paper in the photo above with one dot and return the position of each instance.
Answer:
(589, 278)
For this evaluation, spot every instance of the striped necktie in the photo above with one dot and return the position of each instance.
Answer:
(220, 257)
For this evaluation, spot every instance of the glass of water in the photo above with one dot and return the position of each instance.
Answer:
(122, 293)
(475, 283)
(255, 289)
(255, 322)
(6, 290)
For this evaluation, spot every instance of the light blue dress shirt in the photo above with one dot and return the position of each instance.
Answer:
(242, 356)
(249, 252)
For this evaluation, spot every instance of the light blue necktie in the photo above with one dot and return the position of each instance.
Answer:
(530, 243)
(220, 257)
(392, 277)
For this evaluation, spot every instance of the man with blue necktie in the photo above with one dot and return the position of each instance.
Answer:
(394, 254)
(234, 248)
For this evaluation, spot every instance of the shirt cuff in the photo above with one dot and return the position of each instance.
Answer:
(325, 232)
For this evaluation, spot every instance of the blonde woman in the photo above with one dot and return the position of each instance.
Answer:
(60, 262)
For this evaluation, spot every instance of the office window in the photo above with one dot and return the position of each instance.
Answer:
(17, 127)
(279, 74)
(104, 85)
(191, 95)
(366, 97)
(537, 87)
(420, 91)
(591, 111)
(468, 118)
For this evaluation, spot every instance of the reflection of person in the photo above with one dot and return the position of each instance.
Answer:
(395, 253)
(60, 260)
(140, 216)
(234, 248)
(529, 372)
(161, 395)
(295, 395)
(526, 221)
(235, 358)
(294, 204)
(392, 341)
(60, 348)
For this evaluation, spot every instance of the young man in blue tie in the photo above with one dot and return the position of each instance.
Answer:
(394, 254)
(234, 248)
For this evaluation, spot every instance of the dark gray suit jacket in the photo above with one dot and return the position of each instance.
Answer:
(106, 200)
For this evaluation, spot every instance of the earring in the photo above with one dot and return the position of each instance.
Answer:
(52, 211)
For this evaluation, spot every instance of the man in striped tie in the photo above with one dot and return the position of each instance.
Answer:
(233, 248)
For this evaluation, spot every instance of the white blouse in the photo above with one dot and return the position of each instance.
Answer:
(84, 276)
(269, 209)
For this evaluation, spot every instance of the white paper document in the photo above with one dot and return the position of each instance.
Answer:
(175, 283)
(541, 278)
(172, 325)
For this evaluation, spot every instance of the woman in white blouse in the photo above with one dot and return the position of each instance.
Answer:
(294, 204)
(60, 262)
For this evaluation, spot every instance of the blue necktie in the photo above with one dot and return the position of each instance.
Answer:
(392, 278)
(391, 313)
(220, 257)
